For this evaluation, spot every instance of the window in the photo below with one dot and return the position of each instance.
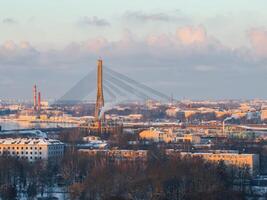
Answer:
(26, 152)
(40, 148)
(40, 153)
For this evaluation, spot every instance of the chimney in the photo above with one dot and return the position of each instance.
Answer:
(34, 97)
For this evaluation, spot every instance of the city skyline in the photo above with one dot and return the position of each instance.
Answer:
(210, 49)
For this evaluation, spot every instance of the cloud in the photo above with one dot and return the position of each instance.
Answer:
(9, 21)
(12, 53)
(93, 21)
(188, 61)
(10, 45)
(191, 35)
(258, 40)
(138, 15)
(154, 17)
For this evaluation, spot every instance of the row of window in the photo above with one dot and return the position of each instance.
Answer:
(228, 157)
(40, 148)
(56, 147)
(30, 157)
(13, 152)
(55, 152)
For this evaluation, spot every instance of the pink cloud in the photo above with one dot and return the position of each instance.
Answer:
(9, 45)
(95, 45)
(258, 40)
(191, 35)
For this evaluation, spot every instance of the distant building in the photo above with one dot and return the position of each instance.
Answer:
(156, 135)
(172, 112)
(93, 142)
(229, 158)
(189, 113)
(23, 133)
(168, 136)
(264, 115)
(91, 138)
(195, 139)
(31, 149)
(118, 154)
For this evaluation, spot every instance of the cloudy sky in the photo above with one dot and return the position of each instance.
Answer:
(209, 49)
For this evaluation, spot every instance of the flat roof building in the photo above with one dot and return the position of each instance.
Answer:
(31, 149)
(229, 158)
(118, 154)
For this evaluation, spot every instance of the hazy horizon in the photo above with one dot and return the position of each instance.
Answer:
(189, 49)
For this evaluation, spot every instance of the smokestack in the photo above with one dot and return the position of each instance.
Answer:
(39, 101)
(34, 97)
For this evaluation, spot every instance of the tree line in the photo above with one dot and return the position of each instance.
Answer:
(84, 177)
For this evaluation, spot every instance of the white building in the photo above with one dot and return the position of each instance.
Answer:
(31, 149)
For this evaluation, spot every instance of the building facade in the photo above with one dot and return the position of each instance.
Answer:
(118, 154)
(31, 149)
(231, 158)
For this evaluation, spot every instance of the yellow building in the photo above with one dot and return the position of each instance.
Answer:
(264, 115)
(189, 113)
(156, 135)
(118, 154)
(196, 139)
(233, 159)
(168, 136)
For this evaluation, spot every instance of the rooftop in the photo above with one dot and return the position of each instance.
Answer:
(29, 141)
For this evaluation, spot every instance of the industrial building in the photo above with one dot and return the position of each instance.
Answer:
(31, 149)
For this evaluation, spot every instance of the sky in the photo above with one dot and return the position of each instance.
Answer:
(209, 49)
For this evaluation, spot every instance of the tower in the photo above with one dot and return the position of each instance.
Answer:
(34, 97)
(99, 96)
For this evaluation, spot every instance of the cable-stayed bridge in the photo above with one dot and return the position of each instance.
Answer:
(116, 86)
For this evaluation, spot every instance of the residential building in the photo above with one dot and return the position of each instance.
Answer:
(31, 149)
(118, 154)
(229, 158)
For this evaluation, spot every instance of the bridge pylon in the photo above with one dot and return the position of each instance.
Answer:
(100, 95)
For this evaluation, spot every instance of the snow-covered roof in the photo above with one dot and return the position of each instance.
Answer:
(38, 133)
(29, 141)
